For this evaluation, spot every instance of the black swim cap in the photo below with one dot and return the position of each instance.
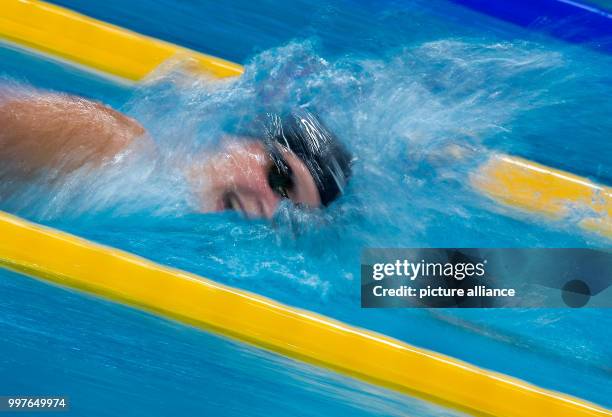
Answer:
(326, 158)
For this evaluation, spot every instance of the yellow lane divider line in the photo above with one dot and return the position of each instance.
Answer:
(540, 189)
(69, 261)
(95, 44)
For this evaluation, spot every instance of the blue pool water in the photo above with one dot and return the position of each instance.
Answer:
(400, 84)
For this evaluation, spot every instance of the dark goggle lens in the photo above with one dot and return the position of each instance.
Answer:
(280, 176)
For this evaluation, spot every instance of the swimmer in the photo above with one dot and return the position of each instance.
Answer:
(295, 157)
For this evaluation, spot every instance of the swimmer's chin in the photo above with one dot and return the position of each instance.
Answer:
(215, 205)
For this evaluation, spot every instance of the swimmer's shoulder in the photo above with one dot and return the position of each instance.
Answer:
(61, 131)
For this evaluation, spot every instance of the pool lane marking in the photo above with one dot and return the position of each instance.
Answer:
(74, 37)
(549, 171)
(447, 361)
(547, 191)
(69, 261)
(588, 8)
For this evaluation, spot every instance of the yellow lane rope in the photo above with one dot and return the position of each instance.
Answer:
(540, 189)
(62, 33)
(67, 260)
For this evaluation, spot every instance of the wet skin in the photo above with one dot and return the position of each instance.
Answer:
(238, 178)
(64, 133)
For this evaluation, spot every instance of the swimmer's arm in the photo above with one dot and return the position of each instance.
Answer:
(61, 132)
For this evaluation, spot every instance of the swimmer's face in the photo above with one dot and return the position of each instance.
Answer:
(243, 176)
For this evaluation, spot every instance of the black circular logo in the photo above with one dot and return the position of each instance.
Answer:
(576, 293)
